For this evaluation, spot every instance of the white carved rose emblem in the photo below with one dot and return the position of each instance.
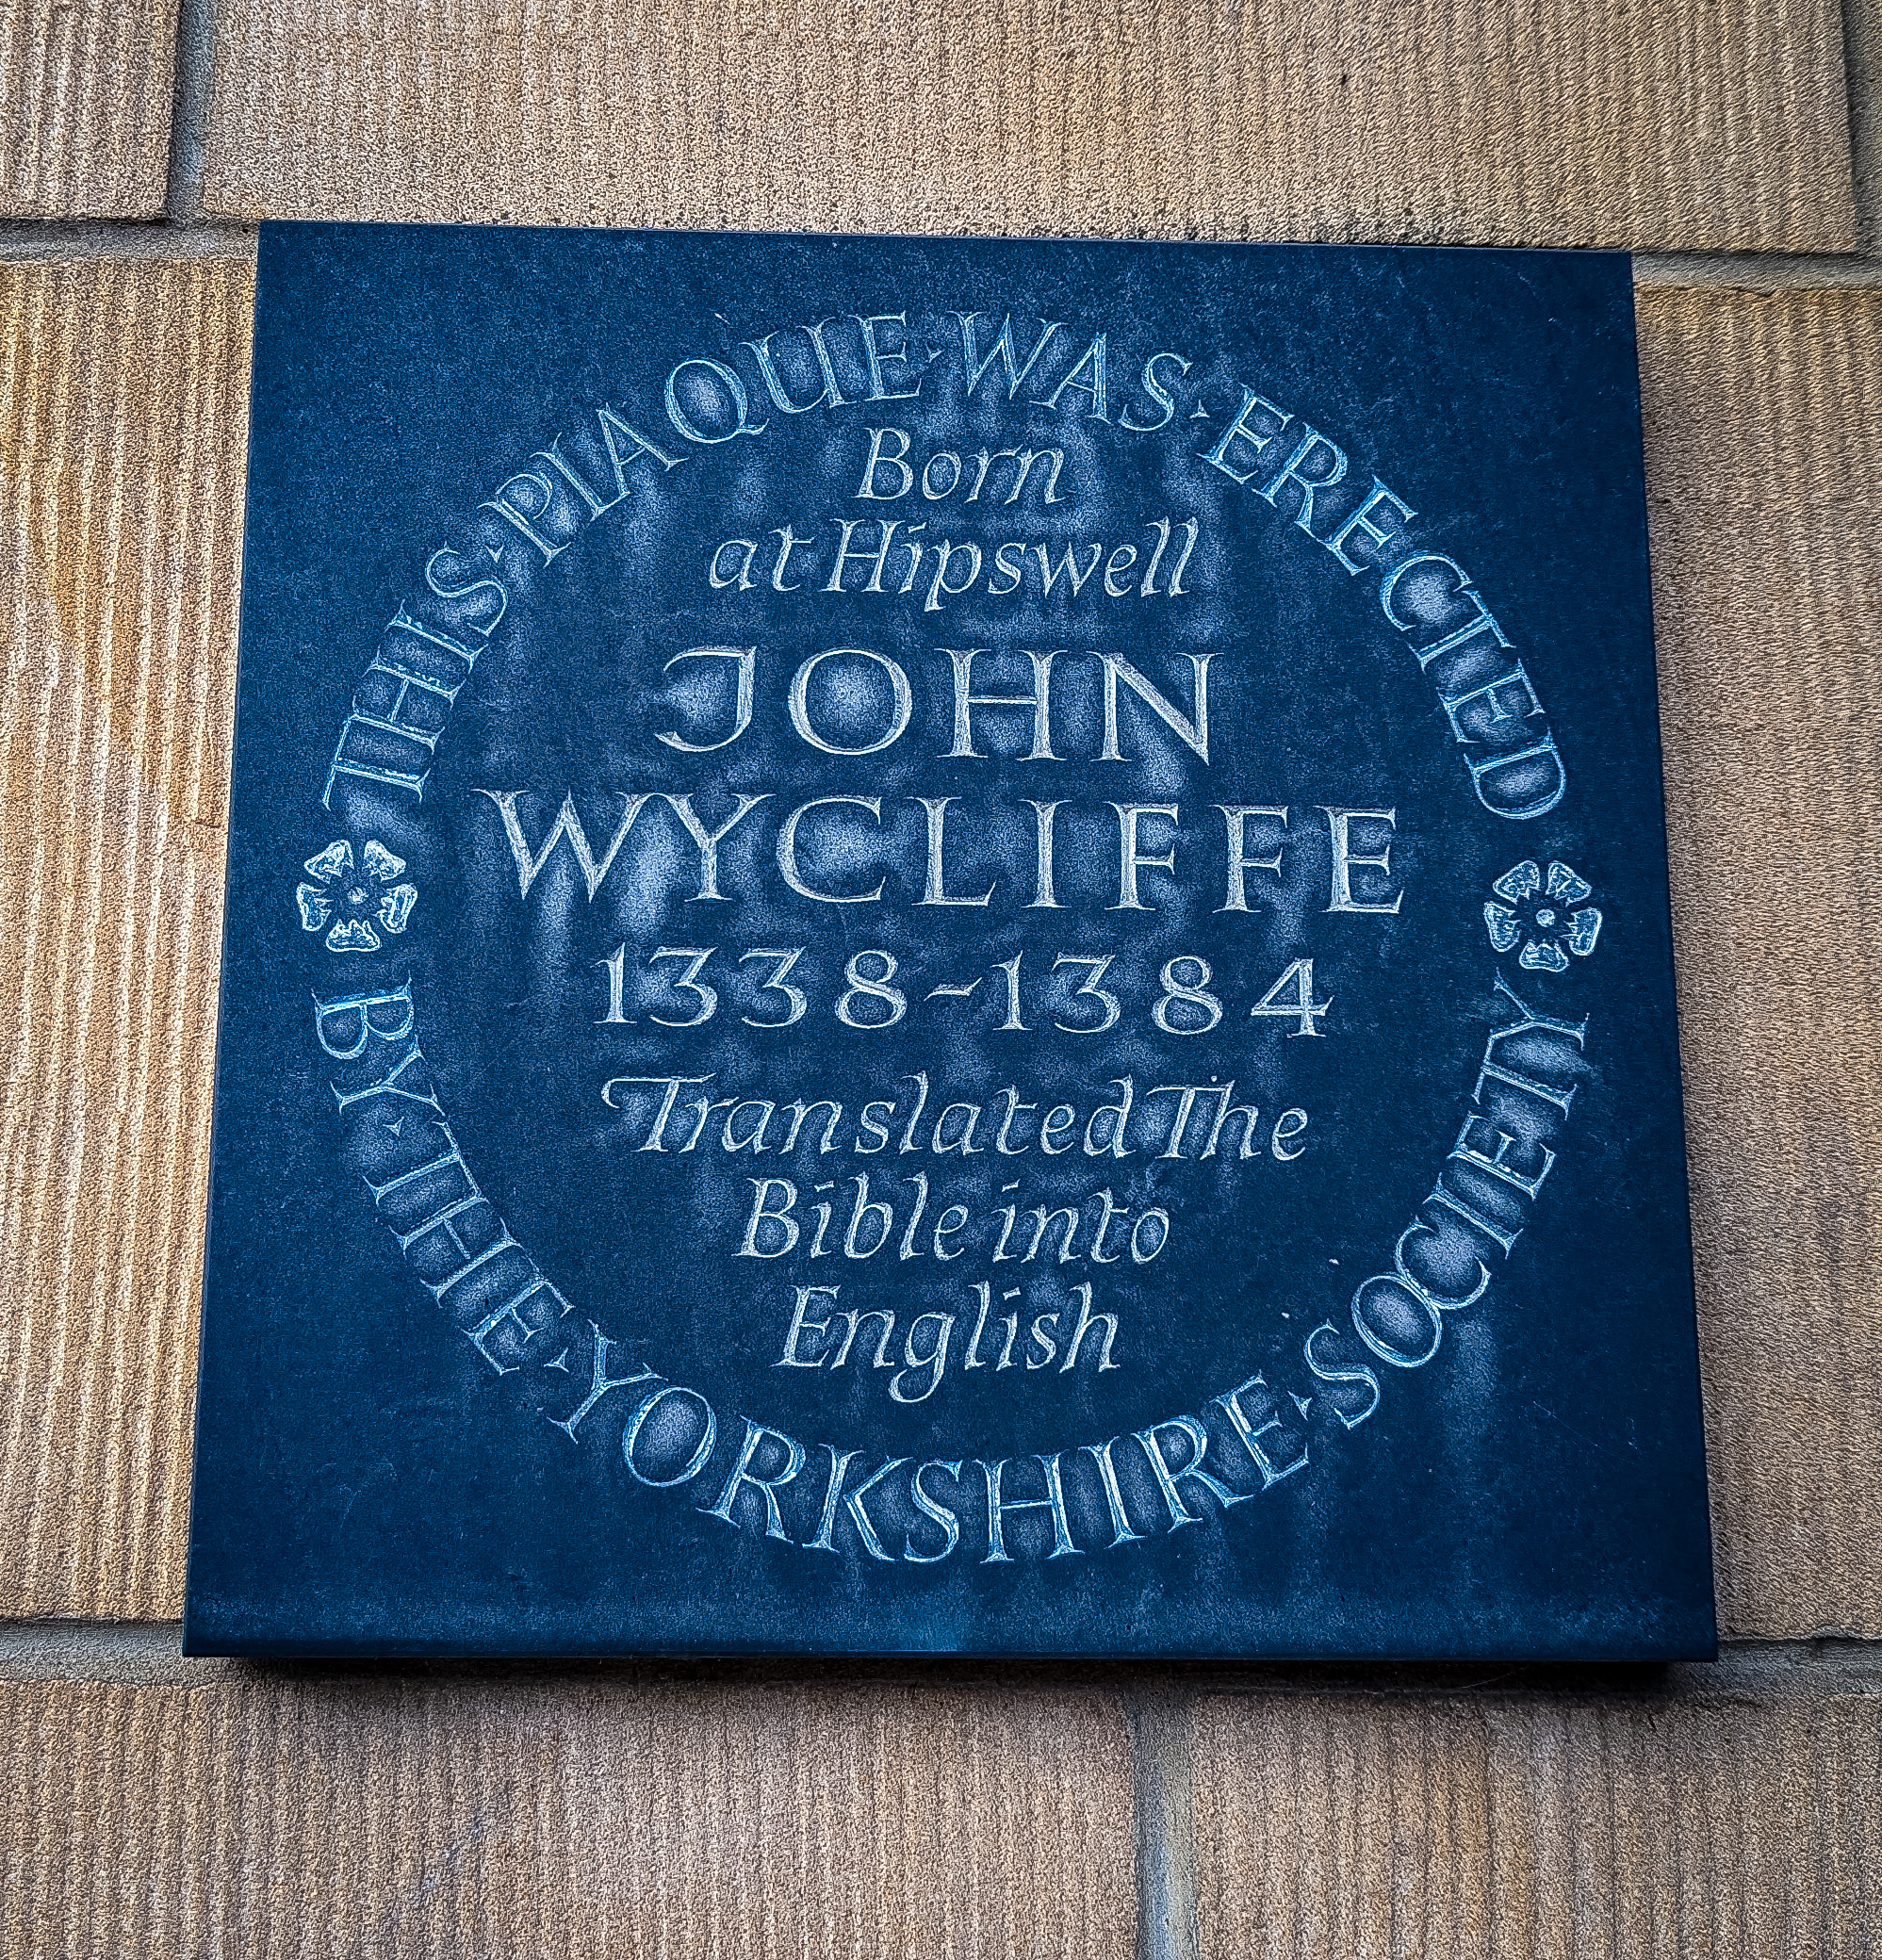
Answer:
(1546, 915)
(352, 903)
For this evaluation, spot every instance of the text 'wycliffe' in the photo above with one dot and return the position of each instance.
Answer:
(847, 848)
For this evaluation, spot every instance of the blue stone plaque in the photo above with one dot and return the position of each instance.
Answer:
(945, 946)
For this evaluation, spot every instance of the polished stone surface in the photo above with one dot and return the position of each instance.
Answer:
(946, 946)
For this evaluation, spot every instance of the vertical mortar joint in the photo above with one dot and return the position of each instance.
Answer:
(1166, 1825)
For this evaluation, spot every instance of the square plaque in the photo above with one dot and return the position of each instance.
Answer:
(945, 945)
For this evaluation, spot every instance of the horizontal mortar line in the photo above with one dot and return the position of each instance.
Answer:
(101, 1650)
(210, 237)
(148, 1652)
(1758, 271)
(122, 237)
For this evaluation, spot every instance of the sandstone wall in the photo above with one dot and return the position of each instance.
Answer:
(154, 1807)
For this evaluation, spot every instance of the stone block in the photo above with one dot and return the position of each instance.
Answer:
(508, 1817)
(1537, 1828)
(1764, 470)
(85, 91)
(123, 409)
(1672, 123)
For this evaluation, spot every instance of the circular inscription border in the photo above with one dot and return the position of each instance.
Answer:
(354, 896)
